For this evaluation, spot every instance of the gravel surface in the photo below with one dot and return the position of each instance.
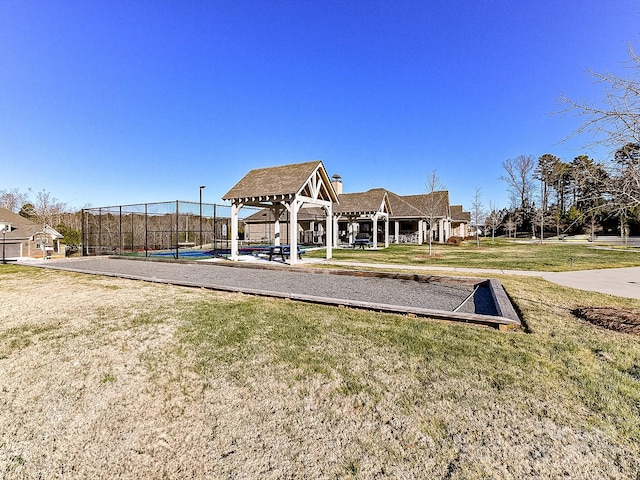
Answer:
(408, 293)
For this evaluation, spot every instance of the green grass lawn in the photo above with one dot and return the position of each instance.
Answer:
(269, 388)
(503, 255)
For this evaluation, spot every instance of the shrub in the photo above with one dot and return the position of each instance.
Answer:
(457, 241)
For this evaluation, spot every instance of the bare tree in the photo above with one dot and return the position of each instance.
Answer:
(48, 209)
(13, 199)
(493, 220)
(477, 211)
(519, 178)
(614, 122)
(434, 202)
(510, 225)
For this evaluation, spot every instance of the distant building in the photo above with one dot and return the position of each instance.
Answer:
(25, 238)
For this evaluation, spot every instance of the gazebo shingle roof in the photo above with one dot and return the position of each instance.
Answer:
(271, 181)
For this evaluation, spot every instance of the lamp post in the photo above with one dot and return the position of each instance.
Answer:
(202, 187)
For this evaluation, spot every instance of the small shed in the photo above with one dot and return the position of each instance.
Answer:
(291, 187)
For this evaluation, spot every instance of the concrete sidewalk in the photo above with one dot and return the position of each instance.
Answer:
(621, 282)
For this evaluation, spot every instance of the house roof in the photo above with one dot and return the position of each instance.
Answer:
(457, 214)
(281, 181)
(370, 202)
(401, 208)
(414, 206)
(424, 205)
(22, 228)
(363, 203)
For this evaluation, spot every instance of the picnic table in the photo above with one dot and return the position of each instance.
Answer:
(282, 250)
(362, 242)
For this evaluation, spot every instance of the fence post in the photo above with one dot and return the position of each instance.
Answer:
(214, 230)
(146, 232)
(177, 229)
(121, 238)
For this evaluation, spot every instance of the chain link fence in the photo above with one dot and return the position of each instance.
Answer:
(173, 229)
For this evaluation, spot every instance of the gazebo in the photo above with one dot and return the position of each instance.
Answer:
(289, 187)
(372, 205)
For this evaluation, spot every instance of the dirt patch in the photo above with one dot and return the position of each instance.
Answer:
(625, 320)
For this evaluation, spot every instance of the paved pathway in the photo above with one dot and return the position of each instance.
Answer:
(622, 282)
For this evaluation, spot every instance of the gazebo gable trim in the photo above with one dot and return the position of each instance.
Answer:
(318, 187)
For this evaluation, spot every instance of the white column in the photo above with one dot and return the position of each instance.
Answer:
(375, 232)
(329, 231)
(441, 230)
(420, 235)
(336, 231)
(397, 238)
(352, 230)
(276, 225)
(386, 232)
(235, 209)
(293, 232)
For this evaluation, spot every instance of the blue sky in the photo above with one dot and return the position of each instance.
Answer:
(114, 102)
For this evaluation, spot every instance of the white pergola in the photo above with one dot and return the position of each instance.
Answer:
(289, 187)
(372, 205)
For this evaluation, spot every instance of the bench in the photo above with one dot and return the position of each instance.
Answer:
(283, 250)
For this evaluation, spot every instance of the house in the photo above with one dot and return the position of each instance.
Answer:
(22, 237)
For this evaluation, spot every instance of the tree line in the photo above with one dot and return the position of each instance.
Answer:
(548, 194)
(44, 209)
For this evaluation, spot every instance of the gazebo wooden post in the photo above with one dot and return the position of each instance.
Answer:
(386, 232)
(374, 235)
(277, 210)
(293, 232)
(352, 232)
(235, 210)
(328, 231)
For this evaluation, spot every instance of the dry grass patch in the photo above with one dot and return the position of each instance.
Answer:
(625, 320)
(125, 379)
